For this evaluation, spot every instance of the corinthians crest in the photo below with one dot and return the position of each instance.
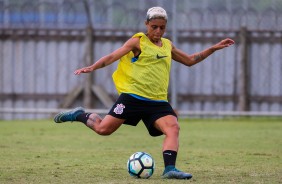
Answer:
(119, 108)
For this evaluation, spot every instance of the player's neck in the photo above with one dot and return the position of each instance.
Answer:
(157, 42)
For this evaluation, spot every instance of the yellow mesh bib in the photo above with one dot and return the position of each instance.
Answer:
(149, 75)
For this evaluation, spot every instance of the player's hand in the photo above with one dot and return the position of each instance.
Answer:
(83, 70)
(223, 43)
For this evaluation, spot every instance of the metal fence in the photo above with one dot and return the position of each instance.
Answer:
(43, 42)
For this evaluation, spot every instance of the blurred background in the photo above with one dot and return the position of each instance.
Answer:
(42, 42)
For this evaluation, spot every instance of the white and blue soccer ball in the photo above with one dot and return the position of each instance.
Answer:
(141, 165)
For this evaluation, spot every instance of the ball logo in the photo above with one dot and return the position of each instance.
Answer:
(119, 109)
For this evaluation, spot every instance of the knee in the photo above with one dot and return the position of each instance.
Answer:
(172, 129)
(107, 126)
(175, 127)
(104, 131)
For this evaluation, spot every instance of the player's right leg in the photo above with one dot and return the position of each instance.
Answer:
(68, 115)
(105, 126)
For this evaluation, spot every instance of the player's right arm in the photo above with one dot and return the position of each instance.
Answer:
(130, 45)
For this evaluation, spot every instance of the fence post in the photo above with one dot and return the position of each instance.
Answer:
(174, 83)
(87, 91)
(243, 100)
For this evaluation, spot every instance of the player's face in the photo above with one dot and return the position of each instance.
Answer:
(155, 29)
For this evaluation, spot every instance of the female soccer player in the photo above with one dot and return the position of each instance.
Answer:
(142, 79)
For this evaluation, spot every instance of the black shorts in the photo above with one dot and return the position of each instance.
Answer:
(133, 110)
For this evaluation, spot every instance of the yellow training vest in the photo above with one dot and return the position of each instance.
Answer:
(149, 75)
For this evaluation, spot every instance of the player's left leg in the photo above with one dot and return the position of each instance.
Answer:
(170, 128)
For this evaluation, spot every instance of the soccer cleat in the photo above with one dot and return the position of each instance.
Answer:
(176, 174)
(68, 115)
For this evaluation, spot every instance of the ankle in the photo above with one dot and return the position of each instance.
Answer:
(83, 117)
(169, 168)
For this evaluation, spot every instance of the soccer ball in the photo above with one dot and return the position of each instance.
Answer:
(141, 165)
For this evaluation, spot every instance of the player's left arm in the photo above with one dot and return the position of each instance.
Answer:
(189, 60)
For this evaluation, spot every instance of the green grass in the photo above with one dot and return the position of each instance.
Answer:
(213, 150)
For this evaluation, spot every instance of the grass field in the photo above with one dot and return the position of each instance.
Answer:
(213, 150)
